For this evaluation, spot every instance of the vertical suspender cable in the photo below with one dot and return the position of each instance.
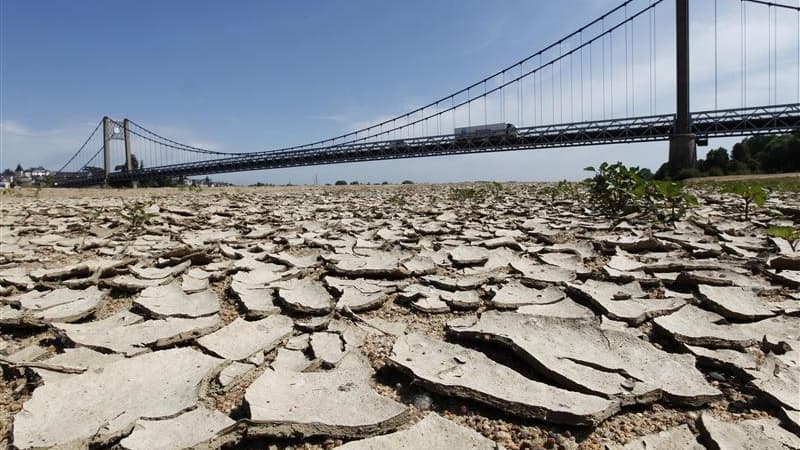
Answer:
(775, 49)
(655, 61)
(775, 57)
(611, 70)
(633, 70)
(627, 90)
(582, 101)
(503, 97)
(438, 120)
(553, 92)
(741, 52)
(541, 97)
(561, 83)
(452, 112)
(485, 114)
(769, 53)
(536, 99)
(716, 64)
(591, 80)
(571, 88)
(520, 97)
(603, 41)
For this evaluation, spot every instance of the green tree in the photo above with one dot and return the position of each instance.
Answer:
(715, 159)
(124, 166)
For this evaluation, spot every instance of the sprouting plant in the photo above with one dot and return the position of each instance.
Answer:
(466, 194)
(563, 190)
(496, 187)
(398, 199)
(791, 234)
(667, 200)
(136, 214)
(612, 189)
(750, 194)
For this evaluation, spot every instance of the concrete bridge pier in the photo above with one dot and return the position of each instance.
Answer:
(682, 152)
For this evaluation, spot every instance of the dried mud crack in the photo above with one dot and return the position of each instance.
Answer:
(318, 318)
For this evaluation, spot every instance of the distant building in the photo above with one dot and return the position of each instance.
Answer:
(26, 177)
(38, 172)
(23, 180)
(5, 183)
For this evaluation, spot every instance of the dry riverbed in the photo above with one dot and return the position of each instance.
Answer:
(418, 316)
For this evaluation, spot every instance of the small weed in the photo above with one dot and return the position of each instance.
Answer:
(750, 193)
(563, 190)
(398, 199)
(135, 213)
(467, 194)
(791, 234)
(667, 200)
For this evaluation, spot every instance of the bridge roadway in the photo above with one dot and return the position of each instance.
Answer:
(732, 122)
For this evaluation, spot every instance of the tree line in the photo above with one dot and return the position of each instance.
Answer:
(755, 154)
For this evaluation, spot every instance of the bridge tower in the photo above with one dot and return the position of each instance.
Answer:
(128, 159)
(107, 134)
(682, 144)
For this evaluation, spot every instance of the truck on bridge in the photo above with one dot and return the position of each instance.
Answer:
(506, 130)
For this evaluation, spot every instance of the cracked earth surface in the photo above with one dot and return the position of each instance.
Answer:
(393, 317)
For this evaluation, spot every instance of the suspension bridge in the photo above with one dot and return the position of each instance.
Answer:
(621, 78)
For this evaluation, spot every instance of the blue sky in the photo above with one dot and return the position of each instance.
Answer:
(255, 75)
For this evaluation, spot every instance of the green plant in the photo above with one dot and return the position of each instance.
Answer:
(750, 193)
(340, 183)
(791, 234)
(398, 199)
(612, 189)
(407, 182)
(135, 213)
(667, 200)
(466, 194)
(563, 190)
(616, 189)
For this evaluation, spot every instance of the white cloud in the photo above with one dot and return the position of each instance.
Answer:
(50, 147)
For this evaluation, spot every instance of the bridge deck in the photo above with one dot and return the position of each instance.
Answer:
(733, 122)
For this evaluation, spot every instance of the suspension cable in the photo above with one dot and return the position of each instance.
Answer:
(175, 144)
(772, 4)
(80, 149)
(716, 82)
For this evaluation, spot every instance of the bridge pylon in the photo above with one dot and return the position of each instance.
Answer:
(682, 143)
(107, 133)
(128, 158)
